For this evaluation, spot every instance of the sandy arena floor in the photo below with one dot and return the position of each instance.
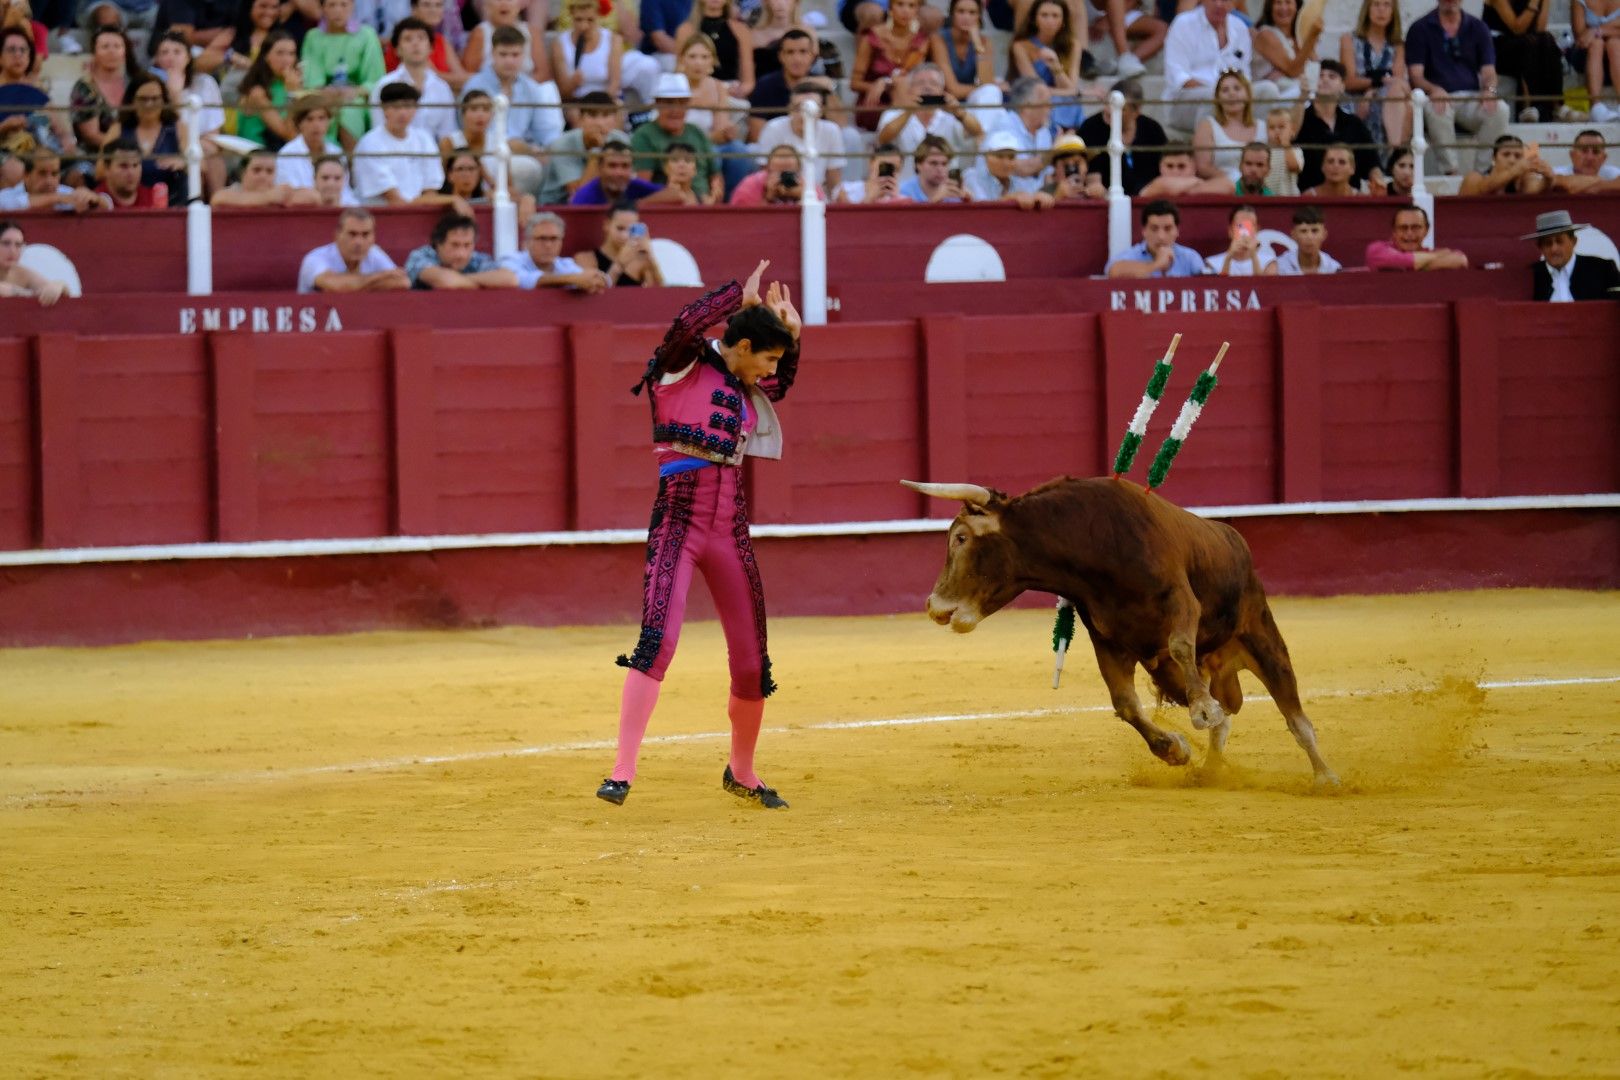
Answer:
(380, 856)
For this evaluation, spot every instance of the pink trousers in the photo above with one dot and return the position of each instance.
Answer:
(700, 523)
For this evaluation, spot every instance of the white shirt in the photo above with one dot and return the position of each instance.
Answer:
(435, 112)
(1192, 51)
(1605, 172)
(1243, 267)
(941, 125)
(529, 273)
(829, 144)
(327, 260)
(295, 167)
(379, 164)
(1288, 264)
(16, 197)
(1560, 282)
(1030, 144)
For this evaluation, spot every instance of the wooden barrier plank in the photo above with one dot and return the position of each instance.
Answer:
(591, 392)
(1299, 378)
(945, 408)
(235, 420)
(414, 432)
(19, 498)
(56, 374)
(1478, 397)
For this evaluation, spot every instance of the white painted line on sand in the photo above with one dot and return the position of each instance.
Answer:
(389, 764)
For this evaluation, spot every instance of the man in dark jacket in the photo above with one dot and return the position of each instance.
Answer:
(1325, 123)
(1563, 275)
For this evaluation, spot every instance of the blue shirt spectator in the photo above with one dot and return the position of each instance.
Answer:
(536, 116)
(1452, 63)
(1184, 262)
(591, 194)
(427, 256)
(662, 16)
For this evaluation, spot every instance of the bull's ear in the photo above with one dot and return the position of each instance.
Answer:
(971, 494)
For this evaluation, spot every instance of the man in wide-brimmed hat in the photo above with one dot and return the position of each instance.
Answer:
(1563, 275)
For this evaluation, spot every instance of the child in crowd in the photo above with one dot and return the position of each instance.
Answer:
(1285, 160)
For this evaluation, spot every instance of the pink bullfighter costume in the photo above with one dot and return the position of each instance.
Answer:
(704, 421)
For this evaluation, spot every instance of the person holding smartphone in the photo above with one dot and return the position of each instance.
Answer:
(712, 406)
(923, 108)
(1071, 178)
(779, 183)
(883, 176)
(625, 253)
(938, 180)
(1243, 257)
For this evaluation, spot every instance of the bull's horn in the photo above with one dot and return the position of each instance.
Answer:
(968, 493)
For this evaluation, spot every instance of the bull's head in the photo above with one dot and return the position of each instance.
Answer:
(981, 573)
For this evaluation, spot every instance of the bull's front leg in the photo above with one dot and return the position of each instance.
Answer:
(1119, 674)
(1202, 707)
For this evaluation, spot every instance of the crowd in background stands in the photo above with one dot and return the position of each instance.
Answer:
(349, 103)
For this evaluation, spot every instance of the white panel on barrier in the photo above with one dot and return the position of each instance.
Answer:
(965, 257)
(675, 263)
(49, 263)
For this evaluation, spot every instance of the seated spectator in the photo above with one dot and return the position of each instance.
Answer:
(625, 255)
(572, 158)
(180, 71)
(148, 121)
(536, 116)
(542, 265)
(923, 109)
(1137, 35)
(796, 52)
(499, 16)
(733, 41)
(353, 262)
(136, 18)
(651, 140)
(789, 130)
(711, 109)
(346, 58)
(1028, 118)
(1243, 257)
(1326, 122)
(1527, 52)
(261, 105)
(121, 179)
(1179, 176)
(1282, 178)
(1070, 177)
(1563, 276)
(435, 105)
(962, 51)
(779, 183)
(995, 178)
(1338, 174)
(1048, 46)
(196, 24)
(256, 21)
(397, 163)
(98, 93)
(1373, 56)
(1514, 170)
(1282, 48)
(465, 185)
(1310, 233)
(615, 181)
(332, 182)
(1158, 255)
(19, 15)
(883, 52)
(882, 183)
(1203, 42)
(1597, 40)
(42, 188)
(1141, 134)
(660, 21)
(1450, 57)
(1221, 136)
(771, 20)
(935, 179)
(23, 103)
(1254, 168)
(258, 187)
(1404, 249)
(1402, 172)
(449, 260)
(680, 177)
(311, 117)
(590, 58)
(19, 280)
(446, 53)
(1587, 173)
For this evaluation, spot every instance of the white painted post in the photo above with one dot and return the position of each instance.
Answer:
(199, 216)
(1421, 196)
(812, 230)
(1119, 203)
(505, 221)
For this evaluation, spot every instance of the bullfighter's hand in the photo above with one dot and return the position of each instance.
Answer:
(751, 286)
(780, 301)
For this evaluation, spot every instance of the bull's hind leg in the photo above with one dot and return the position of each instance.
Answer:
(1204, 710)
(1119, 673)
(1270, 656)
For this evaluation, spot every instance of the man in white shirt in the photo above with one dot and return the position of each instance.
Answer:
(1243, 257)
(354, 263)
(1587, 171)
(542, 265)
(311, 114)
(436, 105)
(42, 188)
(536, 117)
(1201, 44)
(1028, 119)
(923, 108)
(789, 131)
(1310, 233)
(995, 178)
(396, 163)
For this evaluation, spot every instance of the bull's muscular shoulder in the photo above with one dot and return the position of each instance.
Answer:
(1121, 521)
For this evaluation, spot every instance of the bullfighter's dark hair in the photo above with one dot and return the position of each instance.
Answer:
(448, 224)
(1159, 208)
(760, 327)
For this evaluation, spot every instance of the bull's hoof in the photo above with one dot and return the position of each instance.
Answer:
(1326, 780)
(1206, 714)
(1175, 750)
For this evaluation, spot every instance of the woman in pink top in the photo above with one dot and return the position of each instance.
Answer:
(711, 405)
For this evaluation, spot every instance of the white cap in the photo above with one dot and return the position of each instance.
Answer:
(672, 86)
(1000, 140)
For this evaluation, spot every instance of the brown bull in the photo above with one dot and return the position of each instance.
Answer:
(1152, 584)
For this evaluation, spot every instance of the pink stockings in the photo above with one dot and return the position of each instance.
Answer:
(636, 708)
